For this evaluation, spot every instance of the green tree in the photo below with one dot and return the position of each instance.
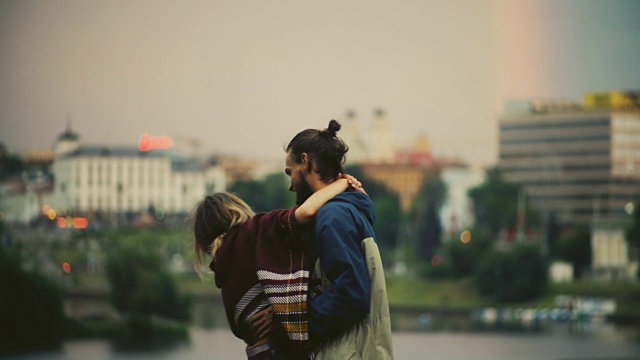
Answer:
(464, 257)
(30, 308)
(575, 247)
(145, 292)
(265, 195)
(633, 233)
(10, 164)
(388, 214)
(495, 204)
(426, 218)
(141, 285)
(516, 275)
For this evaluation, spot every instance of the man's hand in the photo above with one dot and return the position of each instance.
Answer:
(261, 324)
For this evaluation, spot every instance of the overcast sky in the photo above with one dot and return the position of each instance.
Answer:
(245, 76)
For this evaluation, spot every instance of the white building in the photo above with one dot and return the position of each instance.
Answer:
(352, 133)
(127, 180)
(610, 252)
(372, 144)
(456, 213)
(22, 199)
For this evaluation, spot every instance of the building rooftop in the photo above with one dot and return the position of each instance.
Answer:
(113, 151)
(178, 163)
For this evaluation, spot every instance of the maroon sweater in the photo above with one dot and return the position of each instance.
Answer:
(263, 263)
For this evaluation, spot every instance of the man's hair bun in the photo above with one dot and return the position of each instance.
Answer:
(333, 128)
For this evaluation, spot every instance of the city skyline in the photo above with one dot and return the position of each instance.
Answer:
(243, 79)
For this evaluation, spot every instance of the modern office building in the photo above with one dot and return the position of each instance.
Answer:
(578, 163)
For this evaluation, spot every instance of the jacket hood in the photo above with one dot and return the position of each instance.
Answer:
(361, 201)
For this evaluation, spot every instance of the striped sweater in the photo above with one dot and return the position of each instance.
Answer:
(263, 263)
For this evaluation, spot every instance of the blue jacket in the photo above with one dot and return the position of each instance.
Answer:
(340, 227)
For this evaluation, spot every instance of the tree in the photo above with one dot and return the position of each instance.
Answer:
(464, 257)
(633, 231)
(388, 214)
(495, 204)
(265, 195)
(633, 234)
(30, 308)
(141, 285)
(145, 292)
(426, 217)
(10, 164)
(575, 247)
(516, 275)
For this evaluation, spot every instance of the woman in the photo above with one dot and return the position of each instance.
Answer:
(259, 262)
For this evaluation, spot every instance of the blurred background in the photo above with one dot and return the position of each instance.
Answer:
(499, 141)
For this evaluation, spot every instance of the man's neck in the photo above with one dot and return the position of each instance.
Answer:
(317, 184)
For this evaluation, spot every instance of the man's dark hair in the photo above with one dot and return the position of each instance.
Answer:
(326, 151)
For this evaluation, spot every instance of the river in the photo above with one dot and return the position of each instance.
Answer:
(562, 342)
(443, 337)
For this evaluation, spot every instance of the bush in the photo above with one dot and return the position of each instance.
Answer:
(146, 333)
(575, 247)
(30, 308)
(142, 285)
(145, 292)
(430, 271)
(513, 276)
(465, 257)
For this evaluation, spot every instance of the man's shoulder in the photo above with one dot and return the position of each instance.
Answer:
(337, 203)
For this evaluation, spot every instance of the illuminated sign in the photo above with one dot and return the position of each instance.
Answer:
(147, 142)
(69, 222)
(612, 100)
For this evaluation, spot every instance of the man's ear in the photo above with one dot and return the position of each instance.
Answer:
(306, 162)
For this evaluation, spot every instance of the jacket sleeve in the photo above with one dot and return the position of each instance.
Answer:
(347, 301)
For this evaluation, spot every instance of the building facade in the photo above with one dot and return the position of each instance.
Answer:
(576, 165)
(91, 179)
(108, 180)
(456, 214)
(368, 143)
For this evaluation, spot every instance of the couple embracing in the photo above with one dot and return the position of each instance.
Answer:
(305, 282)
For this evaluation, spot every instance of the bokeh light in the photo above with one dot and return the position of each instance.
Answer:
(465, 237)
(80, 223)
(66, 267)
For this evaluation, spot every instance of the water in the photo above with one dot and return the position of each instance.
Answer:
(442, 337)
(599, 342)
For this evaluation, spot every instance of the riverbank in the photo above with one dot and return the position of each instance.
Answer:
(412, 295)
(461, 294)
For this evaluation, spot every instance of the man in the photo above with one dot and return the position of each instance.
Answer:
(350, 316)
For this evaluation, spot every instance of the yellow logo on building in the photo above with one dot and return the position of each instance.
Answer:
(612, 100)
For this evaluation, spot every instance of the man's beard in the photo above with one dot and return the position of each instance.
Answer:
(303, 190)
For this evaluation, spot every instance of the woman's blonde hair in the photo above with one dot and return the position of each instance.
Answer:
(213, 217)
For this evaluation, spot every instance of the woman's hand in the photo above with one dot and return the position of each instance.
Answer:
(354, 184)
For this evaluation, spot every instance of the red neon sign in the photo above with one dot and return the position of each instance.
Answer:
(147, 142)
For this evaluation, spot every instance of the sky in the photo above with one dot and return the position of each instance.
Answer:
(243, 77)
